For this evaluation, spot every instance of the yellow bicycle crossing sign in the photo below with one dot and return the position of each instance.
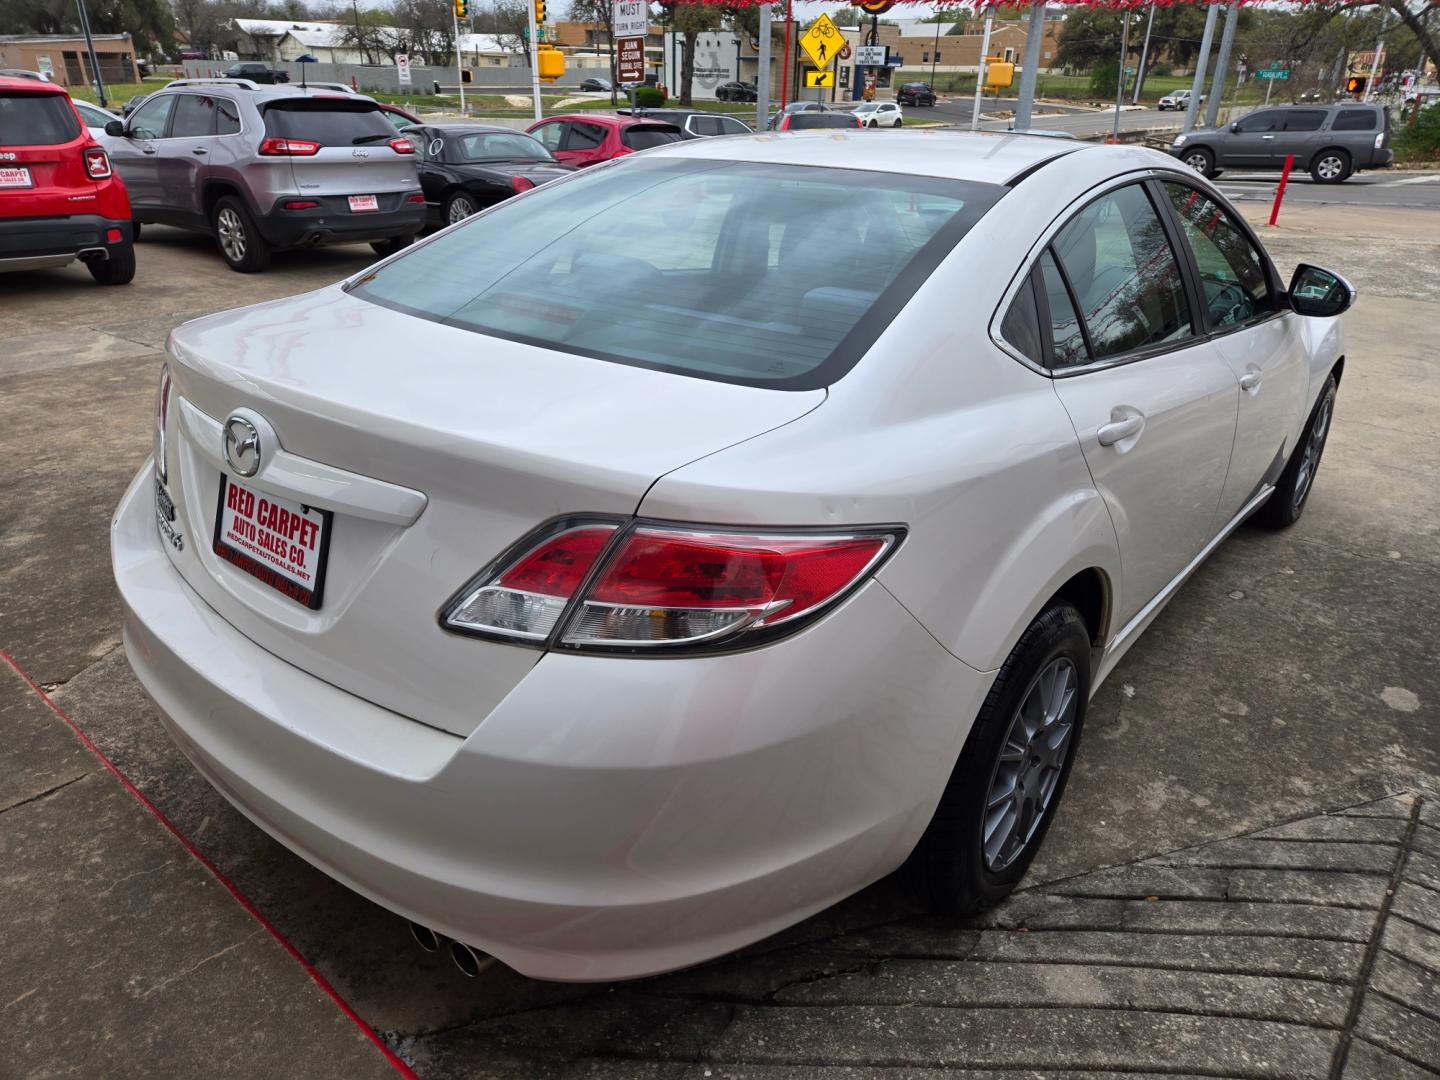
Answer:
(822, 42)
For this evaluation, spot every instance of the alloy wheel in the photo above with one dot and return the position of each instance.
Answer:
(232, 235)
(1329, 167)
(460, 209)
(1198, 162)
(1314, 447)
(1030, 764)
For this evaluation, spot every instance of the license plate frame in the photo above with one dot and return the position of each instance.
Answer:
(364, 204)
(15, 177)
(251, 555)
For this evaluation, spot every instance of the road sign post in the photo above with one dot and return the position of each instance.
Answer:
(402, 69)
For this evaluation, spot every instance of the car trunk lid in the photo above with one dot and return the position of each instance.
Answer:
(456, 445)
(42, 161)
(340, 147)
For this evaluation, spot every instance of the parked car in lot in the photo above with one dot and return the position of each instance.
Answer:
(588, 140)
(809, 120)
(399, 118)
(256, 73)
(879, 114)
(60, 199)
(1331, 141)
(794, 107)
(694, 123)
(265, 168)
(637, 568)
(915, 93)
(1178, 99)
(94, 118)
(466, 167)
(736, 91)
(593, 85)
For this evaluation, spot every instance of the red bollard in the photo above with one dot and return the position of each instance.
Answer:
(1280, 191)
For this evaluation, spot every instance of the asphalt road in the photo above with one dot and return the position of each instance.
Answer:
(1397, 189)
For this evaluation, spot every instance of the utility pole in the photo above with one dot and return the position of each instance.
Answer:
(359, 36)
(1030, 73)
(535, 66)
(90, 48)
(762, 75)
(1120, 80)
(1202, 61)
(1222, 65)
(935, 54)
(459, 63)
(980, 71)
(1374, 64)
(1144, 58)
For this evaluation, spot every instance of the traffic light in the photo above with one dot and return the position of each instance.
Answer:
(462, 9)
(539, 12)
(1355, 84)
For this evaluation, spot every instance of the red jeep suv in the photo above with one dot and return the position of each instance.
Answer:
(59, 198)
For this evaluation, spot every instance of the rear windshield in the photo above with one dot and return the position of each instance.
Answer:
(502, 147)
(644, 136)
(803, 120)
(768, 275)
(327, 121)
(36, 120)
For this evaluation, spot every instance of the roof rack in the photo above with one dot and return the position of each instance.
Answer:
(243, 84)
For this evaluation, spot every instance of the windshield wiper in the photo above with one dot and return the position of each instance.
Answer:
(361, 140)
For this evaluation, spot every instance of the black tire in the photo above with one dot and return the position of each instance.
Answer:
(1200, 159)
(455, 207)
(1331, 167)
(1292, 490)
(394, 244)
(872, 124)
(135, 231)
(118, 269)
(241, 245)
(950, 869)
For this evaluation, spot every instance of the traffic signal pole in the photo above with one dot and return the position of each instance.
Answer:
(535, 62)
(459, 9)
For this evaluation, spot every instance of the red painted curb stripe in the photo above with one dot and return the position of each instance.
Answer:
(215, 872)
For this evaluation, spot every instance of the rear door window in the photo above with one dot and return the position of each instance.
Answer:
(327, 122)
(227, 117)
(1355, 120)
(194, 116)
(36, 120)
(584, 137)
(1304, 119)
(644, 136)
(1066, 334)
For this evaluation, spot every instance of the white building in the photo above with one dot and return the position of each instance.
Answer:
(278, 41)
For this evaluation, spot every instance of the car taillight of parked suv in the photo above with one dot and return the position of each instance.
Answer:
(266, 168)
(60, 200)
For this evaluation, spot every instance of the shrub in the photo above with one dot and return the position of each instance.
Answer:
(1103, 80)
(647, 97)
(1419, 141)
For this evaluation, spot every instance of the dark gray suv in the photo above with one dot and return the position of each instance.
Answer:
(1332, 141)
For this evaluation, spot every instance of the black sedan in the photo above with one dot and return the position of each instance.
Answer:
(736, 91)
(602, 85)
(466, 167)
(915, 93)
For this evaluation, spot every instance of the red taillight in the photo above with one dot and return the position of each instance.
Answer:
(402, 146)
(415, 198)
(97, 165)
(273, 147)
(521, 183)
(162, 417)
(113, 236)
(664, 585)
(300, 204)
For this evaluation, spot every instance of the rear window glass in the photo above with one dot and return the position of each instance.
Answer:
(329, 123)
(1304, 120)
(1354, 120)
(501, 147)
(642, 137)
(768, 275)
(36, 120)
(802, 121)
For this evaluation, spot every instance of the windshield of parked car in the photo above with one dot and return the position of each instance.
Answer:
(36, 119)
(328, 121)
(502, 146)
(768, 275)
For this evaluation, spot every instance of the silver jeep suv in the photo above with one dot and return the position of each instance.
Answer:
(264, 168)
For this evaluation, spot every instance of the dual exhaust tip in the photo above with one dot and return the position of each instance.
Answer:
(471, 962)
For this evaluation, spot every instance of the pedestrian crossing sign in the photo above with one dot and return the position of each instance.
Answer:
(822, 42)
(819, 78)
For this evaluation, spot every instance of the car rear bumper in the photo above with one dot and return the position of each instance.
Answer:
(35, 243)
(333, 222)
(612, 817)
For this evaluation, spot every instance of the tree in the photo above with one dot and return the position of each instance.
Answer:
(600, 14)
(150, 23)
(690, 21)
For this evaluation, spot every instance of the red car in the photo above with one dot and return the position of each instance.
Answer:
(59, 198)
(582, 140)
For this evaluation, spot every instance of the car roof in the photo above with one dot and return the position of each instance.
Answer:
(461, 127)
(987, 157)
(32, 86)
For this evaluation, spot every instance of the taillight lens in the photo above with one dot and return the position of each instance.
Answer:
(1380, 141)
(273, 147)
(162, 416)
(300, 204)
(521, 183)
(402, 146)
(97, 165)
(663, 585)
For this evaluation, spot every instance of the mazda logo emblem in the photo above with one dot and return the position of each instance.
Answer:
(242, 446)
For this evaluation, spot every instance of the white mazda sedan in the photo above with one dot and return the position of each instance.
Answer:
(638, 567)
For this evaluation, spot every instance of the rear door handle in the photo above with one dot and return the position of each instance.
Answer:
(1251, 379)
(199, 150)
(1122, 426)
(148, 150)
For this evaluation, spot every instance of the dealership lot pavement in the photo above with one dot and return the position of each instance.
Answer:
(1261, 772)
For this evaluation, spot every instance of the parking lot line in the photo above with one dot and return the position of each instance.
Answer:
(215, 872)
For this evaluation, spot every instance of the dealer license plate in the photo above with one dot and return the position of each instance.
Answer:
(15, 177)
(279, 541)
(360, 203)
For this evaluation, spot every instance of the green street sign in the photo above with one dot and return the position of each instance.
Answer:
(1273, 73)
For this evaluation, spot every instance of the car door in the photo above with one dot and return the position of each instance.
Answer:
(184, 157)
(1256, 333)
(429, 151)
(888, 114)
(584, 144)
(1250, 143)
(1152, 402)
(137, 154)
(551, 135)
(1301, 136)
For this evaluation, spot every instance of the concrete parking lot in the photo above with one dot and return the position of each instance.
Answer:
(1244, 879)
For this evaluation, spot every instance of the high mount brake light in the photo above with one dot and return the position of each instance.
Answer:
(273, 147)
(662, 586)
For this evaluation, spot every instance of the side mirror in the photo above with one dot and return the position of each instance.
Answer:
(1319, 292)
(114, 127)
(1235, 127)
